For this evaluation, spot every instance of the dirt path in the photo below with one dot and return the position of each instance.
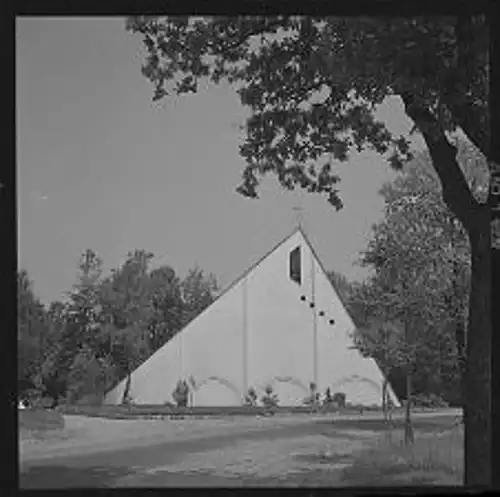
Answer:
(244, 451)
(286, 459)
(225, 459)
(90, 435)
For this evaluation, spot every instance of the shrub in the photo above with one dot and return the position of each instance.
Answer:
(270, 399)
(181, 393)
(328, 397)
(313, 399)
(340, 399)
(250, 399)
(327, 404)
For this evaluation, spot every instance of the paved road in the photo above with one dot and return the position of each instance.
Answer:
(132, 466)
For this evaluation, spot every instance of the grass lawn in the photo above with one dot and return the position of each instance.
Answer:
(434, 459)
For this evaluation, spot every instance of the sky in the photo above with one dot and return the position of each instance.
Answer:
(101, 166)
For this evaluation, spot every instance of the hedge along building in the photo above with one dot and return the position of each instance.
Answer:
(281, 323)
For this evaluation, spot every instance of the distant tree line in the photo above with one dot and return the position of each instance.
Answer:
(77, 349)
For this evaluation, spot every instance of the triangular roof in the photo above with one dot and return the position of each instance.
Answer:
(245, 273)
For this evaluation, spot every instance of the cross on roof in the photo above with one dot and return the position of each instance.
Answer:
(298, 214)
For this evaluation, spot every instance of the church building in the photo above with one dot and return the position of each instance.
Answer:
(281, 323)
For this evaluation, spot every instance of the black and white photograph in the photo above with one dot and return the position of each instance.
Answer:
(255, 251)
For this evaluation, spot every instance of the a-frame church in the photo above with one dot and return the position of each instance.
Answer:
(280, 323)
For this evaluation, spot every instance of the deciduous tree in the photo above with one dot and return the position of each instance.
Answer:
(126, 312)
(419, 233)
(75, 323)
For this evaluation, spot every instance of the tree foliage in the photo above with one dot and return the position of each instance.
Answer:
(421, 262)
(438, 66)
(77, 332)
(198, 292)
(77, 349)
(342, 285)
(167, 306)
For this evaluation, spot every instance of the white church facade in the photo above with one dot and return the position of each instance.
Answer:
(281, 323)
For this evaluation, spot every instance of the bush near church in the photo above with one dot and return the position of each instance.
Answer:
(313, 399)
(181, 393)
(328, 404)
(339, 398)
(270, 399)
(328, 399)
(251, 398)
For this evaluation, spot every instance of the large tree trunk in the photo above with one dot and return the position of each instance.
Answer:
(456, 315)
(477, 409)
(475, 217)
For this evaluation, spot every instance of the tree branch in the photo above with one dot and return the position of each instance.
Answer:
(459, 83)
(456, 192)
(470, 118)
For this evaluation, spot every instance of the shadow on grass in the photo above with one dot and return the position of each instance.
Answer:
(54, 477)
